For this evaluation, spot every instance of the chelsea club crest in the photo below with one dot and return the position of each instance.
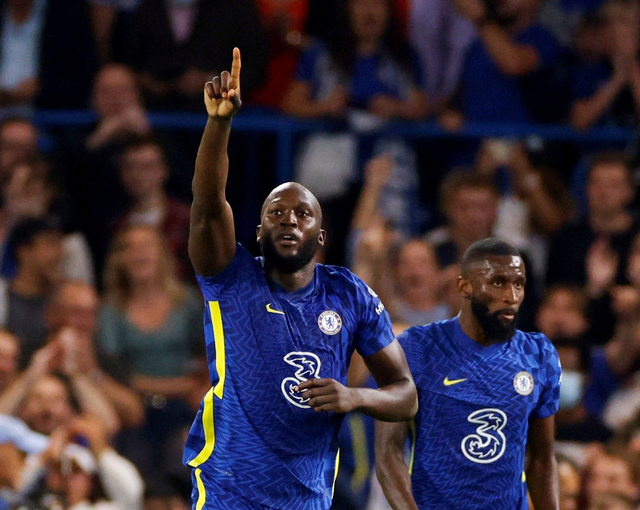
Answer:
(523, 383)
(329, 322)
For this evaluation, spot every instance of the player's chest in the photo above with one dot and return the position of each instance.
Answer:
(510, 382)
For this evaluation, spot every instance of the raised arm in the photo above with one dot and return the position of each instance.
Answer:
(212, 238)
(393, 473)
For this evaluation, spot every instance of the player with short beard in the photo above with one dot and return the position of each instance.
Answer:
(487, 392)
(280, 332)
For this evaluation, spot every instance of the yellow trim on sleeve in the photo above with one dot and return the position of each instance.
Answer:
(209, 431)
(202, 493)
(218, 335)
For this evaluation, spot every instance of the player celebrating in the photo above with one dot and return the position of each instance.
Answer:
(280, 331)
(486, 392)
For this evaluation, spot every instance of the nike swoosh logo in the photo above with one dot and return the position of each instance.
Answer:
(271, 310)
(448, 382)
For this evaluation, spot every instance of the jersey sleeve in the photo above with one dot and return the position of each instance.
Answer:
(241, 269)
(552, 373)
(374, 331)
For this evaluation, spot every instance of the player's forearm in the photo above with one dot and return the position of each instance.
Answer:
(542, 481)
(394, 402)
(212, 166)
(394, 479)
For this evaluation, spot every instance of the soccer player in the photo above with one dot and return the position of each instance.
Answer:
(486, 392)
(280, 331)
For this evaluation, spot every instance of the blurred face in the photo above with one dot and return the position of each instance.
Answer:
(115, 91)
(473, 211)
(511, 10)
(47, 406)
(610, 475)
(76, 307)
(18, 143)
(569, 485)
(141, 255)
(290, 233)
(495, 287)
(144, 171)
(561, 315)
(69, 480)
(9, 351)
(609, 189)
(368, 19)
(417, 267)
(44, 257)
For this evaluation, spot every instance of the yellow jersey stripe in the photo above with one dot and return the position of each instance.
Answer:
(412, 427)
(360, 451)
(335, 474)
(218, 335)
(202, 493)
(209, 431)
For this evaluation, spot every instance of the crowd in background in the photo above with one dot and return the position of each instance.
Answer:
(102, 359)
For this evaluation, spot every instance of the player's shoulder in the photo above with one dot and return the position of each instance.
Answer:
(342, 279)
(239, 269)
(536, 344)
(426, 334)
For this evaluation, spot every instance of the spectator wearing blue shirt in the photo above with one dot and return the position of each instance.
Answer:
(366, 65)
(503, 66)
(607, 82)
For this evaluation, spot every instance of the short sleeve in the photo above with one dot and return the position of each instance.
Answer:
(374, 331)
(241, 268)
(551, 372)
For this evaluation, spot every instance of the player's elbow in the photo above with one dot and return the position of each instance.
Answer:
(410, 401)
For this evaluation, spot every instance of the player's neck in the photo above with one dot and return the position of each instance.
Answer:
(292, 281)
(471, 327)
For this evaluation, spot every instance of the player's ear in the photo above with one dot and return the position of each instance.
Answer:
(322, 237)
(258, 233)
(464, 287)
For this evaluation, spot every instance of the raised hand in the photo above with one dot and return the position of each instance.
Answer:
(222, 93)
(601, 266)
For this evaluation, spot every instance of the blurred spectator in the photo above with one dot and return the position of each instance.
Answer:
(47, 53)
(110, 20)
(9, 355)
(37, 245)
(45, 399)
(563, 315)
(172, 51)
(599, 243)
(92, 172)
(607, 83)
(503, 76)
(18, 144)
(612, 502)
(285, 23)
(469, 203)
(143, 173)
(73, 308)
(569, 481)
(117, 103)
(534, 202)
(152, 325)
(68, 476)
(610, 472)
(442, 37)
(30, 193)
(366, 65)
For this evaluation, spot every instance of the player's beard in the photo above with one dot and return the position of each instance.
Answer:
(293, 263)
(494, 329)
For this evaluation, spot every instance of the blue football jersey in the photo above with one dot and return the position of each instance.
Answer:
(475, 402)
(254, 435)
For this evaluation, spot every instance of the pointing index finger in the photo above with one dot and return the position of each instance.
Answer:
(235, 69)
